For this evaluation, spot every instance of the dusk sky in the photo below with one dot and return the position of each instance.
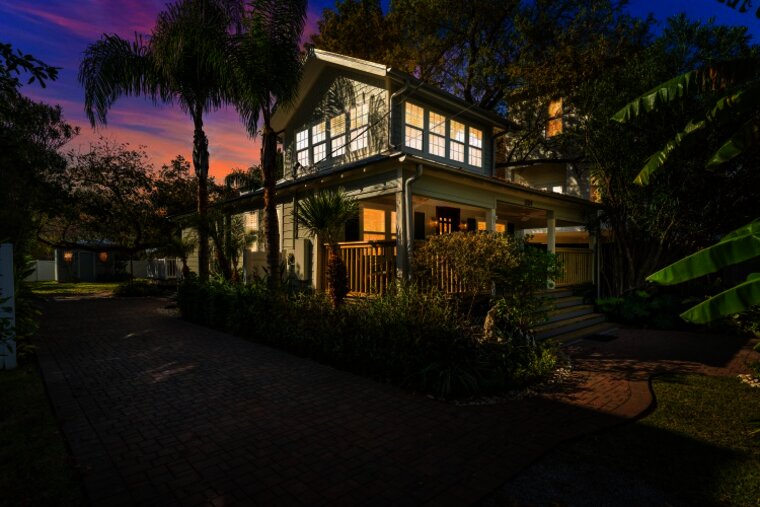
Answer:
(57, 31)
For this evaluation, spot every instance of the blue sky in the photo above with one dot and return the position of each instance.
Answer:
(57, 31)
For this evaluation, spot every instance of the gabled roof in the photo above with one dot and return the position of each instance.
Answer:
(318, 60)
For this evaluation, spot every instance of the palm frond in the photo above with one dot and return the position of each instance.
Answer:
(669, 91)
(745, 137)
(323, 213)
(113, 67)
(658, 159)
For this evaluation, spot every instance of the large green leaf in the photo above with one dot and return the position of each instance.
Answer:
(734, 300)
(751, 228)
(669, 91)
(724, 253)
(747, 135)
(658, 159)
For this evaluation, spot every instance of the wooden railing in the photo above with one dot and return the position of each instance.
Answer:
(578, 266)
(370, 265)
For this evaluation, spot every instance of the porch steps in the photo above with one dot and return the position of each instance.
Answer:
(569, 319)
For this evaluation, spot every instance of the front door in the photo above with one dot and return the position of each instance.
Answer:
(448, 219)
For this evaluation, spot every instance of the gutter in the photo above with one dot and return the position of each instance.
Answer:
(390, 108)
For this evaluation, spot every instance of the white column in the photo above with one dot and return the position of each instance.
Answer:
(551, 232)
(401, 243)
(491, 219)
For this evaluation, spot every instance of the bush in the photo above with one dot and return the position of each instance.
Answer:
(406, 336)
(138, 287)
(643, 309)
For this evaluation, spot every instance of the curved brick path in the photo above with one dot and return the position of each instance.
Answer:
(158, 411)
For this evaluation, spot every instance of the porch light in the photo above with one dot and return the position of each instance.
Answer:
(103, 257)
(68, 256)
(463, 226)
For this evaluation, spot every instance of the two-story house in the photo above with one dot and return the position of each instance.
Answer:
(419, 160)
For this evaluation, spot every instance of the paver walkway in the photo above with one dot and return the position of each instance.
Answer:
(159, 411)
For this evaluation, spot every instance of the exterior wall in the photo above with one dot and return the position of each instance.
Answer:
(557, 177)
(44, 271)
(334, 94)
(192, 259)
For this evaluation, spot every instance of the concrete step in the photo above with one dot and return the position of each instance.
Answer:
(563, 302)
(579, 334)
(556, 293)
(568, 312)
(559, 327)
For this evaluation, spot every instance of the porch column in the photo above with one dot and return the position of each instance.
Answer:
(491, 220)
(402, 264)
(551, 232)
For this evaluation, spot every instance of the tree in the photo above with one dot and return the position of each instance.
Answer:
(357, 28)
(738, 103)
(268, 65)
(323, 214)
(184, 61)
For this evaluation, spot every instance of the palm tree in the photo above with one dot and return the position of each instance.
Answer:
(739, 104)
(184, 61)
(268, 63)
(323, 214)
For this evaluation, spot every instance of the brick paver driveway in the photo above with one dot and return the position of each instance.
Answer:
(158, 411)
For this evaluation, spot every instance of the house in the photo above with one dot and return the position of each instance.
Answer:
(420, 161)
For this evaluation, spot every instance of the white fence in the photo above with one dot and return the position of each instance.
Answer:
(44, 271)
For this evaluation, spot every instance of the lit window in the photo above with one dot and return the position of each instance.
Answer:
(374, 224)
(359, 116)
(501, 228)
(415, 122)
(481, 225)
(338, 135)
(554, 124)
(302, 140)
(476, 147)
(456, 146)
(476, 138)
(318, 133)
(303, 157)
(437, 136)
(320, 152)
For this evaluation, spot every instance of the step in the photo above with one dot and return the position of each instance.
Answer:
(568, 312)
(579, 334)
(563, 302)
(556, 293)
(567, 325)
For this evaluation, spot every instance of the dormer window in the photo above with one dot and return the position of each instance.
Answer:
(554, 124)
(415, 124)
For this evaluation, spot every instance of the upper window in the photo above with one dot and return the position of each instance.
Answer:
(456, 145)
(554, 124)
(437, 136)
(476, 147)
(415, 124)
(338, 135)
(302, 147)
(359, 118)
(319, 141)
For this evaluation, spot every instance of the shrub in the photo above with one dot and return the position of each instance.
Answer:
(643, 309)
(413, 338)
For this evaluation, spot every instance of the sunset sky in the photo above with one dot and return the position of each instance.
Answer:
(57, 31)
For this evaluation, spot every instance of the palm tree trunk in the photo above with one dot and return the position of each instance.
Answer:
(200, 164)
(271, 228)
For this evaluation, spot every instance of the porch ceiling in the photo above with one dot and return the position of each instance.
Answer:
(526, 217)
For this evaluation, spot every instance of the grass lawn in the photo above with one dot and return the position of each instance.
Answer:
(696, 448)
(49, 289)
(35, 468)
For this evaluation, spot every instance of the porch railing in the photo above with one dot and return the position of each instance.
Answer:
(578, 266)
(370, 265)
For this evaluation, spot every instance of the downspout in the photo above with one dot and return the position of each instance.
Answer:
(394, 96)
(408, 223)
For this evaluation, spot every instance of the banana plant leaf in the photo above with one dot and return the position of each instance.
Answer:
(655, 162)
(747, 135)
(734, 300)
(737, 248)
(669, 91)
(751, 228)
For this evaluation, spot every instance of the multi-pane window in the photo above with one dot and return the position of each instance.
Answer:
(338, 135)
(302, 147)
(437, 136)
(319, 141)
(554, 124)
(456, 141)
(415, 123)
(476, 147)
(359, 118)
